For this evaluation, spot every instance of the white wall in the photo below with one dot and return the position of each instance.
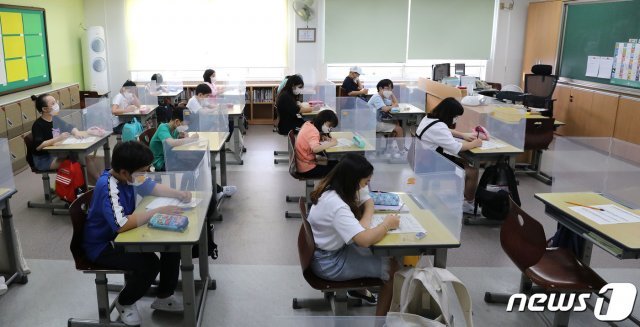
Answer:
(110, 14)
(308, 58)
(505, 65)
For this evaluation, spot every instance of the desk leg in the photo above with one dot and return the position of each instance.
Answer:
(237, 147)
(213, 205)
(440, 258)
(107, 155)
(203, 258)
(82, 157)
(404, 123)
(512, 162)
(587, 249)
(11, 241)
(188, 286)
(223, 166)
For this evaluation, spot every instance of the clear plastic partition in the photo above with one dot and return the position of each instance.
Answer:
(130, 97)
(622, 181)
(155, 88)
(358, 126)
(6, 173)
(213, 116)
(185, 153)
(323, 94)
(232, 87)
(350, 103)
(97, 116)
(578, 165)
(413, 96)
(147, 95)
(195, 189)
(508, 127)
(470, 119)
(173, 86)
(66, 120)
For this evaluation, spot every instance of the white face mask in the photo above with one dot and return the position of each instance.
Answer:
(182, 128)
(128, 96)
(297, 90)
(356, 79)
(138, 180)
(387, 93)
(213, 79)
(326, 129)
(455, 119)
(363, 192)
(55, 109)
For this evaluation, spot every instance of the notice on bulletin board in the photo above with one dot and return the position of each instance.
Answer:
(626, 62)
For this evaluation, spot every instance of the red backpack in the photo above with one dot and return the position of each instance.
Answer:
(69, 181)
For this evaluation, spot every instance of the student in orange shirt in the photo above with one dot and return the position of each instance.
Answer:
(312, 139)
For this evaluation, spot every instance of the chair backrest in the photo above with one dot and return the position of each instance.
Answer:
(342, 92)
(146, 136)
(293, 169)
(28, 142)
(522, 237)
(540, 85)
(306, 243)
(79, 210)
(538, 133)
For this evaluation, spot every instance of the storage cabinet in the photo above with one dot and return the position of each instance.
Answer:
(544, 20)
(262, 104)
(586, 112)
(628, 120)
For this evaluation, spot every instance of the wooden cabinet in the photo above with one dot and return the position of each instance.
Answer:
(74, 93)
(544, 20)
(601, 119)
(262, 104)
(562, 95)
(586, 112)
(628, 120)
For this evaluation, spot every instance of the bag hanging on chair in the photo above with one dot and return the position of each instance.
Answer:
(69, 181)
(131, 130)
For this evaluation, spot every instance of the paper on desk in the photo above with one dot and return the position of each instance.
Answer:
(606, 64)
(73, 140)
(342, 142)
(397, 208)
(162, 202)
(408, 224)
(593, 64)
(488, 145)
(612, 214)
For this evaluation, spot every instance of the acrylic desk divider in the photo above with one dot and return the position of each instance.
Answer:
(6, 173)
(213, 116)
(357, 117)
(508, 127)
(412, 95)
(187, 155)
(97, 115)
(323, 92)
(148, 94)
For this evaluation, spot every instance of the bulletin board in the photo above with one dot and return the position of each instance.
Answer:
(24, 52)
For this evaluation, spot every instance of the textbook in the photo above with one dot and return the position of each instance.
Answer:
(174, 223)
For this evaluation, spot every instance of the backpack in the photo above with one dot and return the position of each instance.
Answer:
(131, 130)
(421, 297)
(497, 183)
(69, 181)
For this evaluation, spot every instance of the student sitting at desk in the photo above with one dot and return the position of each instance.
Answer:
(289, 108)
(313, 139)
(352, 85)
(157, 78)
(202, 92)
(209, 77)
(340, 220)
(125, 101)
(42, 133)
(112, 212)
(175, 134)
(437, 132)
(383, 102)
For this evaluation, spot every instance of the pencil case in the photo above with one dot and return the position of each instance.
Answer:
(174, 223)
(358, 141)
(385, 198)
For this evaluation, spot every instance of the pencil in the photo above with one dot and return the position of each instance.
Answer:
(582, 205)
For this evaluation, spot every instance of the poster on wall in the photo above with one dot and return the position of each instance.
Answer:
(626, 62)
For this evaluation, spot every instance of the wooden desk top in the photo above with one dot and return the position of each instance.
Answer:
(315, 112)
(136, 113)
(5, 192)
(168, 94)
(352, 148)
(236, 110)
(408, 109)
(625, 234)
(145, 235)
(215, 140)
(437, 234)
(509, 149)
(78, 146)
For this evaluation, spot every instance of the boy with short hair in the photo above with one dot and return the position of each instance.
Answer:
(383, 102)
(112, 212)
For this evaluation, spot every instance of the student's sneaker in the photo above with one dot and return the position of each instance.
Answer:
(170, 304)
(129, 314)
(468, 207)
(3, 286)
(229, 190)
(366, 296)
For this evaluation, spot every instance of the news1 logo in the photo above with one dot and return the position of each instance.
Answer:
(621, 302)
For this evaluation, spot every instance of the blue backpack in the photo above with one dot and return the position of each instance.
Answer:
(131, 130)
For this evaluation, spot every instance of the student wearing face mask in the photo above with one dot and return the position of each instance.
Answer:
(383, 102)
(289, 108)
(125, 101)
(313, 138)
(437, 132)
(352, 85)
(112, 212)
(340, 220)
(209, 77)
(42, 132)
(174, 133)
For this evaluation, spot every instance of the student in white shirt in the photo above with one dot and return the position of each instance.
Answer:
(340, 220)
(437, 132)
(125, 101)
(383, 102)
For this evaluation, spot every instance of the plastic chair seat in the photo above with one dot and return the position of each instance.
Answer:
(559, 270)
(327, 285)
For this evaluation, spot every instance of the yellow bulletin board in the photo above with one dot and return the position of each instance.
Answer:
(24, 54)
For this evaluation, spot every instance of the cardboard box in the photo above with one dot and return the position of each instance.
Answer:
(13, 117)
(65, 98)
(29, 114)
(18, 153)
(74, 94)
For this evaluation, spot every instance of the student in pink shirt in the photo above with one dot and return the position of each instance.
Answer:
(313, 139)
(209, 77)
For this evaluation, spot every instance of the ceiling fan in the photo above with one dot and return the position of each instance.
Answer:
(303, 9)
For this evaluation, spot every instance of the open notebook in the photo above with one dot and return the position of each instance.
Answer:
(408, 223)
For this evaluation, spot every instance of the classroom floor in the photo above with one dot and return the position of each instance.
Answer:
(258, 270)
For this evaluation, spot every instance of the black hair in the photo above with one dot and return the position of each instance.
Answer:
(446, 110)
(128, 83)
(203, 89)
(292, 81)
(178, 113)
(157, 77)
(344, 179)
(383, 83)
(131, 156)
(207, 75)
(40, 101)
(325, 116)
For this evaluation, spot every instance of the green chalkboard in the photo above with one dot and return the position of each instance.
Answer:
(592, 29)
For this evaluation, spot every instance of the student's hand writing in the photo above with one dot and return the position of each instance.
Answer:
(333, 141)
(169, 210)
(469, 136)
(194, 136)
(476, 143)
(63, 136)
(391, 221)
(185, 196)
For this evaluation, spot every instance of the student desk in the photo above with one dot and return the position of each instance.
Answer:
(84, 149)
(216, 142)
(337, 152)
(619, 240)
(143, 117)
(312, 114)
(477, 155)
(172, 95)
(407, 111)
(235, 113)
(12, 267)
(436, 242)
(145, 239)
